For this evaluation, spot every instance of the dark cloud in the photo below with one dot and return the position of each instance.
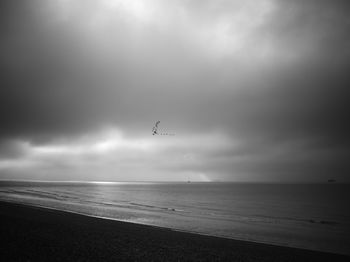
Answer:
(278, 88)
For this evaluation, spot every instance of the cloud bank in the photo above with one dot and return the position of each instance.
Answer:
(253, 91)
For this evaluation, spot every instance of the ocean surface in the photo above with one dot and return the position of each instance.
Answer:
(311, 216)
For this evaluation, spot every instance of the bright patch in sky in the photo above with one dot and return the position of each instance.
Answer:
(101, 144)
(110, 155)
(140, 10)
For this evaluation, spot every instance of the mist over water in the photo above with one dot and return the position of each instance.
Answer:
(311, 216)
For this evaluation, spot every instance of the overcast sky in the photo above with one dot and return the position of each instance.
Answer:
(252, 90)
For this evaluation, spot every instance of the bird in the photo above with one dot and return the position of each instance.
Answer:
(155, 128)
(155, 131)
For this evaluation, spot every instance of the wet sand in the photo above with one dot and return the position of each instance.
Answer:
(37, 234)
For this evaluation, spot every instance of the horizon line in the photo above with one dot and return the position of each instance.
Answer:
(177, 181)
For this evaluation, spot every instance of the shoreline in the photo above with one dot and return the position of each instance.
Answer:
(38, 233)
(158, 227)
(172, 228)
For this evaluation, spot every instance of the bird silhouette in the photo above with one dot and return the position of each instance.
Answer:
(155, 131)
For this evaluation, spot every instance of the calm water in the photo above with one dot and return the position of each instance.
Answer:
(312, 216)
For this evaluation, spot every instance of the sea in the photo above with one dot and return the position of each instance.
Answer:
(309, 216)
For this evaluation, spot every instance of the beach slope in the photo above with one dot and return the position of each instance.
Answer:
(37, 234)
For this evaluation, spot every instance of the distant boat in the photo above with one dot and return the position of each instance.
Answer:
(331, 180)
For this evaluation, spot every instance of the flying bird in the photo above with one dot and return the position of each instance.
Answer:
(155, 131)
(155, 128)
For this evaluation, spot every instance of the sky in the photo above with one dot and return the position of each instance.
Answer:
(253, 91)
